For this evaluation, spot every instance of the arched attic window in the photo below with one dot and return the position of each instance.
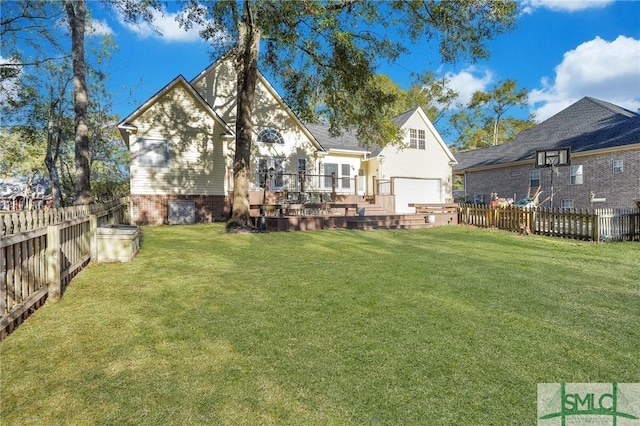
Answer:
(270, 136)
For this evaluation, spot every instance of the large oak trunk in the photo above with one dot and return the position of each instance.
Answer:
(77, 14)
(247, 75)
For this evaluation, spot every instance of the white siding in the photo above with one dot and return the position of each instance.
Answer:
(427, 171)
(197, 154)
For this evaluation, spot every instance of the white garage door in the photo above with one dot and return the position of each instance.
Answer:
(416, 191)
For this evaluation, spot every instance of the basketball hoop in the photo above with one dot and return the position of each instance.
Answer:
(553, 157)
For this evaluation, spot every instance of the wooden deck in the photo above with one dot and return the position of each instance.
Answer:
(302, 217)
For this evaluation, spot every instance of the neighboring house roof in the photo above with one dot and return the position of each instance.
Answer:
(587, 125)
(125, 125)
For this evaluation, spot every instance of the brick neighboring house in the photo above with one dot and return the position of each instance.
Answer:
(605, 160)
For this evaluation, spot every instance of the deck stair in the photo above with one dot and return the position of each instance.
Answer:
(387, 221)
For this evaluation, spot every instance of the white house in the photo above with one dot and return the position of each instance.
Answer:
(182, 145)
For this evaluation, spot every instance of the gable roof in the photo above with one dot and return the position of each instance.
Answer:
(348, 141)
(587, 125)
(269, 88)
(402, 119)
(125, 125)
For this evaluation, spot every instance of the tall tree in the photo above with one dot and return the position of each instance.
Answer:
(35, 100)
(326, 54)
(482, 122)
(76, 18)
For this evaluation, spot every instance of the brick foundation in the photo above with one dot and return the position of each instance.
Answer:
(153, 209)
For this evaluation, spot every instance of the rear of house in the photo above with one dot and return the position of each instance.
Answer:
(182, 148)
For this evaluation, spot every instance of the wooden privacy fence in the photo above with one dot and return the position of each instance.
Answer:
(589, 225)
(37, 263)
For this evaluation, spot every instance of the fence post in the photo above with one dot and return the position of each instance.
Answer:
(595, 227)
(53, 263)
(93, 237)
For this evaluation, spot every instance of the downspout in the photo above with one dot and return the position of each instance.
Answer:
(465, 185)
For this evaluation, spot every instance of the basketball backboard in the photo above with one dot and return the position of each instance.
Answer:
(553, 157)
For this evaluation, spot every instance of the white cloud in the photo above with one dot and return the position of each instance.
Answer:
(166, 23)
(99, 27)
(469, 81)
(528, 6)
(598, 68)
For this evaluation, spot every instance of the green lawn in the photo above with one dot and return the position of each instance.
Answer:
(449, 325)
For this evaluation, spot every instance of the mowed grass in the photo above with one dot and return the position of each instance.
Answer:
(446, 326)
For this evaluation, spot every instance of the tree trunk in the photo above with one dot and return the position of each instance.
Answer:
(247, 75)
(76, 15)
(53, 145)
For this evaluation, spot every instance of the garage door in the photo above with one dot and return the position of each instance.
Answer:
(416, 191)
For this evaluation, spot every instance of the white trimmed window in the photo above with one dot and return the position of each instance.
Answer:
(270, 136)
(329, 168)
(302, 166)
(155, 153)
(567, 204)
(417, 139)
(534, 178)
(276, 182)
(577, 175)
(346, 178)
(618, 166)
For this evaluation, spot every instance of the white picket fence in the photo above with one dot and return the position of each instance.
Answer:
(583, 224)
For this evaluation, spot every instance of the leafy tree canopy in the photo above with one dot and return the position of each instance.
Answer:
(482, 121)
(326, 53)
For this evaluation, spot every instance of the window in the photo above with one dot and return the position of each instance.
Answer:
(534, 178)
(153, 153)
(618, 166)
(416, 139)
(346, 179)
(329, 168)
(576, 177)
(302, 167)
(270, 136)
(264, 164)
(567, 204)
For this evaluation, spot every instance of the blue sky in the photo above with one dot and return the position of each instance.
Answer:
(560, 52)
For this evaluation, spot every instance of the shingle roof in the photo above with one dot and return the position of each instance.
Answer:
(348, 139)
(345, 141)
(588, 124)
(402, 118)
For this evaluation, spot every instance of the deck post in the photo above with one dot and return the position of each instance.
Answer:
(333, 186)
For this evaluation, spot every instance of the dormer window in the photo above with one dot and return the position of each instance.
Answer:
(270, 136)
